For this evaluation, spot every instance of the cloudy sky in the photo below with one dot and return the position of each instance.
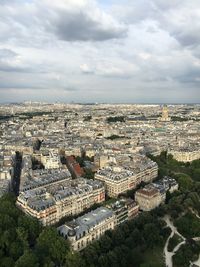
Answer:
(100, 50)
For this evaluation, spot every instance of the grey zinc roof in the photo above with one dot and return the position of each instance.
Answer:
(41, 203)
(86, 222)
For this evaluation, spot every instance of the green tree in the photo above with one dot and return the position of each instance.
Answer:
(51, 246)
(32, 226)
(7, 261)
(27, 259)
(196, 174)
(16, 250)
(184, 181)
(89, 174)
(105, 243)
(74, 259)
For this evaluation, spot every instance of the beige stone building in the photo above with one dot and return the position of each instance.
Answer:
(51, 203)
(118, 180)
(185, 155)
(148, 198)
(51, 160)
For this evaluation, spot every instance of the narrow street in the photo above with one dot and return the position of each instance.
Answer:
(17, 173)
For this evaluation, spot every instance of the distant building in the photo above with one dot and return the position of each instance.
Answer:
(6, 172)
(185, 154)
(165, 115)
(74, 167)
(89, 227)
(51, 160)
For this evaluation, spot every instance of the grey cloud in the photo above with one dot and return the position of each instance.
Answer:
(22, 81)
(81, 27)
(7, 56)
(33, 24)
(70, 89)
(188, 38)
(190, 76)
(7, 53)
(179, 18)
(163, 4)
(7, 68)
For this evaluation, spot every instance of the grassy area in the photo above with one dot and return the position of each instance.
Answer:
(154, 258)
(173, 242)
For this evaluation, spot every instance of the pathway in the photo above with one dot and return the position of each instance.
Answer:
(168, 254)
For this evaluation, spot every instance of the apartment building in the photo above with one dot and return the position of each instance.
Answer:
(118, 179)
(87, 228)
(124, 209)
(74, 167)
(51, 202)
(51, 160)
(152, 195)
(185, 154)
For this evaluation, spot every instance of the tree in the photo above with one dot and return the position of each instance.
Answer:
(103, 261)
(16, 249)
(32, 226)
(27, 259)
(7, 261)
(51, 246)
(184, 181)
(163, 156)
(87, 118)
(113, 258)
(90, 254)
(89, 174)
(105, 243)
(73, 259)
(196, 174)
(22, 234)
(116, 119)
(151, 235)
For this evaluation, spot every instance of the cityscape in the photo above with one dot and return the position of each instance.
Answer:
(100, 133)
(89, 170)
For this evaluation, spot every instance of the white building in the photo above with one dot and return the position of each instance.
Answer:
(89, 227)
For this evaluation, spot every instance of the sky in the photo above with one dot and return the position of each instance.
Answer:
(118, 51)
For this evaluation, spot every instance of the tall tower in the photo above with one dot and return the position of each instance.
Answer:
(165, 114)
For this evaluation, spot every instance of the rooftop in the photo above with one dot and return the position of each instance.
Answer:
(86, 222)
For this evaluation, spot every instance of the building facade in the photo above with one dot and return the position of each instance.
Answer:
(87, 228)
(185, 155)
(52, 202)
(118, 180)
(148, 198)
